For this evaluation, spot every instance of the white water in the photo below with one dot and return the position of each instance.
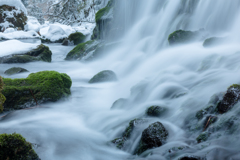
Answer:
(183, 78)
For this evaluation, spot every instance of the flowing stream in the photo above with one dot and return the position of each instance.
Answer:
(150, 72)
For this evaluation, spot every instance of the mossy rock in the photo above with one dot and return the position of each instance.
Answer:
(15, 147)
(213, 41)
(18, 19)
(119, 142)
(103, 21)
(76, 38)
(153, 136)
(231, 97)
(81, 50)
(15, 70)
(181, 37)
(203, 137)
(103, 76)
(155, 111)
(41, 53)
(45, 86)
(2, 100)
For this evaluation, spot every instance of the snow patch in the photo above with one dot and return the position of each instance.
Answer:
(54, 33)
(32, 24)
(15, 3)
(15, 47)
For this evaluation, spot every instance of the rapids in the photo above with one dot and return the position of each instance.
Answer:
(150, 72)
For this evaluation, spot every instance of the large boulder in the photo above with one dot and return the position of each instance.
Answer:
(41, 53)
(155, 111)
(37, 88)
(153, 136)
(10, 16)
(74, 38)
(231, 97)
(181, 37)
(82, 50)
(15, 70)
(55, 34)
(15, 147)
(103, 20)
(2, 97)
(103, 76)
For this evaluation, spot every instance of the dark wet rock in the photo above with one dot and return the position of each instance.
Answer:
(15, 70)
(45, 86)
(18, 18)
(203, 137)
(65, 42)
(213, 41)
(119, 103)
(209, 120)
(230, 98)
(155, 111)
(15, 147)
(181, 36)
(153, 136)
(119, 142)
(46, 40)
(103, 76)
(41, 53)
(191, 158)
(82, 50)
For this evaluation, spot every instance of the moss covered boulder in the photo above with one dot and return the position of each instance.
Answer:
(82, 50)
(2, 97)
(231, 97)
(155, 111)
(76, 38)
(181, 37)
(153, 136)
(15, 70)
(103, 76)
(103, 20)
(16, 18)
(213, 41)
(15, 147)
(119, 142)
(40, 87)
(41, 53)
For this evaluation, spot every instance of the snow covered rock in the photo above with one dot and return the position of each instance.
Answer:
(55, 34)
(32, 24)
(11, 16)
(23, 52)
(13, 34)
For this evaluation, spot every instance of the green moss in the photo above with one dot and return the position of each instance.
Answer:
(202, 137)
(103, 76)
(155, 111)
(181, 36)
(77, 38)
(45, 86)
(15, 147)
(103, 11)
(81, 50)
(119, 142)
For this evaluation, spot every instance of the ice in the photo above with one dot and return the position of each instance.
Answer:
(15, 47)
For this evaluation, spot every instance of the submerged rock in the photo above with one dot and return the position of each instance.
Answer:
(12, 17)
(41, 53)
(103, 76)
(82, 50)
(191, 158)
(15, 147)
(2, 97)
(230, 98)
(153, 136)
(119, 142)
(15, 70)
(119, 103)
(213, 41)
(37, 88)
(202, 137)
(155, 111)
(181, 36)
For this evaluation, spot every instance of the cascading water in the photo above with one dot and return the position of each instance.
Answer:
(181, 78)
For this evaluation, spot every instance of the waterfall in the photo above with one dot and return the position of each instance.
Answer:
(182, 78)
